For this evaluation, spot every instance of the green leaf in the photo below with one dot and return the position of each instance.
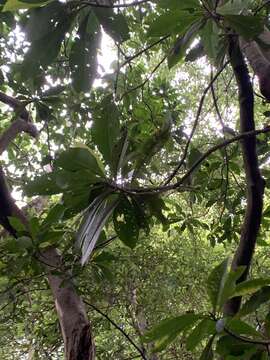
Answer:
(54, 215)
(255, 301)
(248, 26)
(230, 285)
(181, 45)
(45, 48)
(216, 282)
(24, 242)
(16, 224)
(106, 129)
(172, 22)
(249, 287)
(83, 54)
(210, 39)
(207, 353)
(228, 345)
(43, 185)
(235, 7)
(205, 328)
(125, 223)
(13, 5)
(115, 25)
(239, 327)
(40, 21)
(79, 158)
(176, 4)
(167, 330)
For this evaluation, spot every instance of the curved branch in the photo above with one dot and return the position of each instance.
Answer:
(178, 184)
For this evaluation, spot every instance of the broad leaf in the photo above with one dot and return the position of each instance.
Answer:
(43, 185)
(255, 301)
(248, 26)
(172, 22)
(181, 45)
(216, 282)
(249, 287)
(230, 285)
(115, 25)
(166, 332)
(207, 353)
(204, 329)
(79, 158)
(126, 223)
(83, 54)
(233, 8)
(239, 327)
(106, 129)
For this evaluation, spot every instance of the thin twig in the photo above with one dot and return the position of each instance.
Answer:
(178, 167)
(118, 328)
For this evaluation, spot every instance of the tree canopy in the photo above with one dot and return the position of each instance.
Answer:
(134, 200)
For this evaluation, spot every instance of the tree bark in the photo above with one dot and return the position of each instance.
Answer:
(258, 55)
(254, 180)
(75, 326)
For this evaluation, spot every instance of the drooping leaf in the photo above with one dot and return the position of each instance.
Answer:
(83, 54)
(248, 26)
(233, 8)
(210, 39)
(207, 353)
(216, 282)
(106, 129)
(230, 285)
(182, 43)
(250, 287)
(115, 25)
(176, 22)
(94, 220)
(239, 327)
(205, 328)
(40, 21)
(255, 301)
(228, 345)
(45, 49)
(167, 330)
(126, 223)
(79, 158)
(43, 185)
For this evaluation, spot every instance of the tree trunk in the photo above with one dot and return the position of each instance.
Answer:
(75, 326)
(254, 180)
(258, 55)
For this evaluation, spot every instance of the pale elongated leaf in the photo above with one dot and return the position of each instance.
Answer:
(93, 223)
